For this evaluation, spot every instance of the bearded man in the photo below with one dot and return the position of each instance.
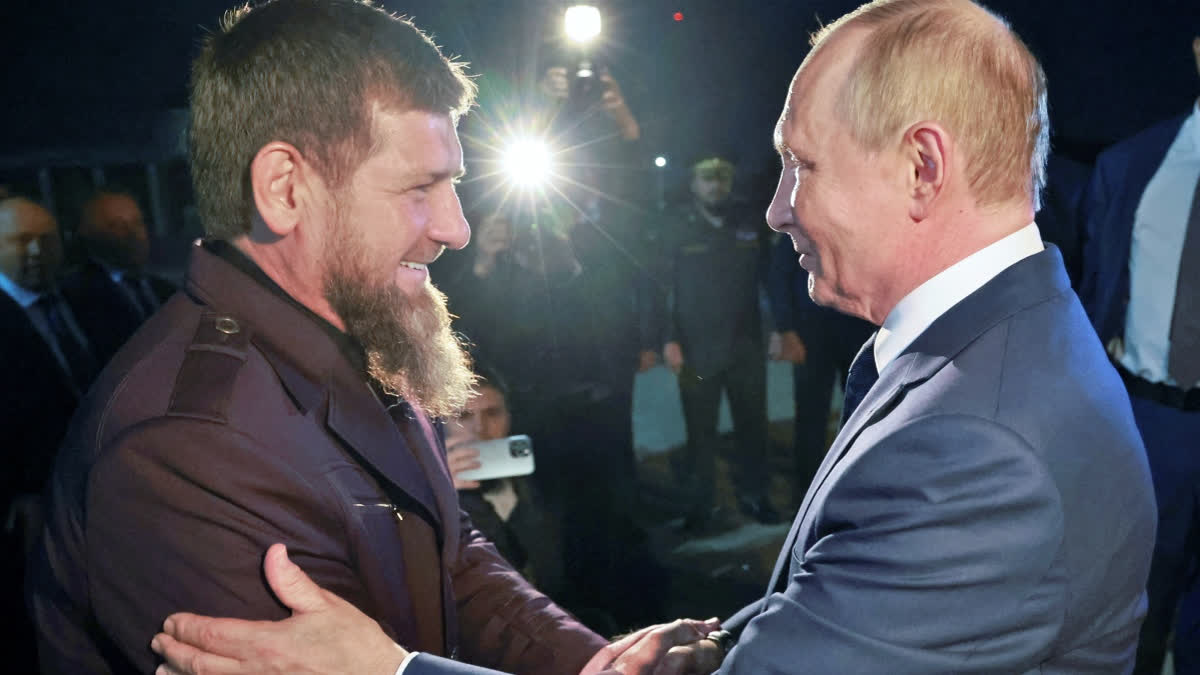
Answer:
(287, 394)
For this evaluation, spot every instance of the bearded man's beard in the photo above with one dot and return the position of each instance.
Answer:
(411, 350)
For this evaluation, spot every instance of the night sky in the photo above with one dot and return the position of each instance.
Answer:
(83, 73)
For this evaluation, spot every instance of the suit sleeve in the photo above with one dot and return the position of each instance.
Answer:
(506, 623)
(178, 516)
(427, 664)
(934, 552)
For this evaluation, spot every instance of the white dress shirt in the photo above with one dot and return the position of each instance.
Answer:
(404, 663)
(1159, 230)
(920, 308)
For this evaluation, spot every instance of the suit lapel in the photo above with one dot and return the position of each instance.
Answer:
(1024, 284)
(882, 398)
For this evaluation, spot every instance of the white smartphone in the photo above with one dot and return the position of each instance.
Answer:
(501, 458)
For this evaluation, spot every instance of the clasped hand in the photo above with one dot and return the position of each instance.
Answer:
(676, 648)
(328, 636)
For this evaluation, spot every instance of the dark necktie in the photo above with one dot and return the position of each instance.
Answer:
(860, 378)
(79, 362)
(1183, 358)
(139, 293)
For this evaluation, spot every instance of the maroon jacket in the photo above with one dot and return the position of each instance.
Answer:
(232, 420)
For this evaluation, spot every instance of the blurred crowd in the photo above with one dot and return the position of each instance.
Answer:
(565, 299)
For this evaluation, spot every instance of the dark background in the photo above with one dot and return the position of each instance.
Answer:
(105, 77)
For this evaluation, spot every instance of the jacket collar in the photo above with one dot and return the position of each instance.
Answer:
(315, 369)
(1028, 282)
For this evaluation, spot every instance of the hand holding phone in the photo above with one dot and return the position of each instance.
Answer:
(500, 458)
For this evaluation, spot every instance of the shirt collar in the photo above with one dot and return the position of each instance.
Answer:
(920, 308)
(23, 296)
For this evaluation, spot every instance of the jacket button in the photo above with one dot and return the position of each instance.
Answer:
(227, 325)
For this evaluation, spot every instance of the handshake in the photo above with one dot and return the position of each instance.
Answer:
(327, 635)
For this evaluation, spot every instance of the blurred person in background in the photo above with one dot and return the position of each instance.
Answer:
(110, 289)
(820, 343)
(714, 254)
(46, 363)
(506, 510)
(1141, 288)
(557, 301)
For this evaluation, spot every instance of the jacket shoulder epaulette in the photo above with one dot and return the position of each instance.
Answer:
(204, 386)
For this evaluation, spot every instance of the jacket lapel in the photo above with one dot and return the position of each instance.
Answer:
(314, 370)
(426, 447)
(1024, 284)
(358, 417)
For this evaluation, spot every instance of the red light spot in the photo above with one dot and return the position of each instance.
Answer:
(678, 16)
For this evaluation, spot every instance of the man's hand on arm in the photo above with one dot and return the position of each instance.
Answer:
(325, 635)
(677, 648)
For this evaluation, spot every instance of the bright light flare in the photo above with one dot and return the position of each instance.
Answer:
(527, 162)
(581, 23)
(660, 161)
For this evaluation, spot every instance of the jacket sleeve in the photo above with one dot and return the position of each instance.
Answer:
(928, 555)
(178, 515)
(506, 623)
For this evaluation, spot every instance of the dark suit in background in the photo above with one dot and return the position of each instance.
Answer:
(711, 276)
(831, 339)
(110, 310)
(36, 402)
(1168, 416)
(236, 419)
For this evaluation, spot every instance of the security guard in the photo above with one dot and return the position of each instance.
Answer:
(714, 257)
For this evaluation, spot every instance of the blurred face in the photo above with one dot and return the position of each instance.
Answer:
(485, 418)
(712, 188)
(29, 249)
(114, 231)
(835, 199)
(495, 235)
(395, 215)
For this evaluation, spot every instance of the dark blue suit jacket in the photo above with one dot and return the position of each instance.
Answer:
(1121, 175)
(986, 509)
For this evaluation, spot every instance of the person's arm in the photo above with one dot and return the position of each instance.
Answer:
(177, 518)
(328, 636)
(936, 551)
(505, 623)
(324, 636)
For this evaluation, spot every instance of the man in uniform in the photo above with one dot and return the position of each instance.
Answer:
(714, 262)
